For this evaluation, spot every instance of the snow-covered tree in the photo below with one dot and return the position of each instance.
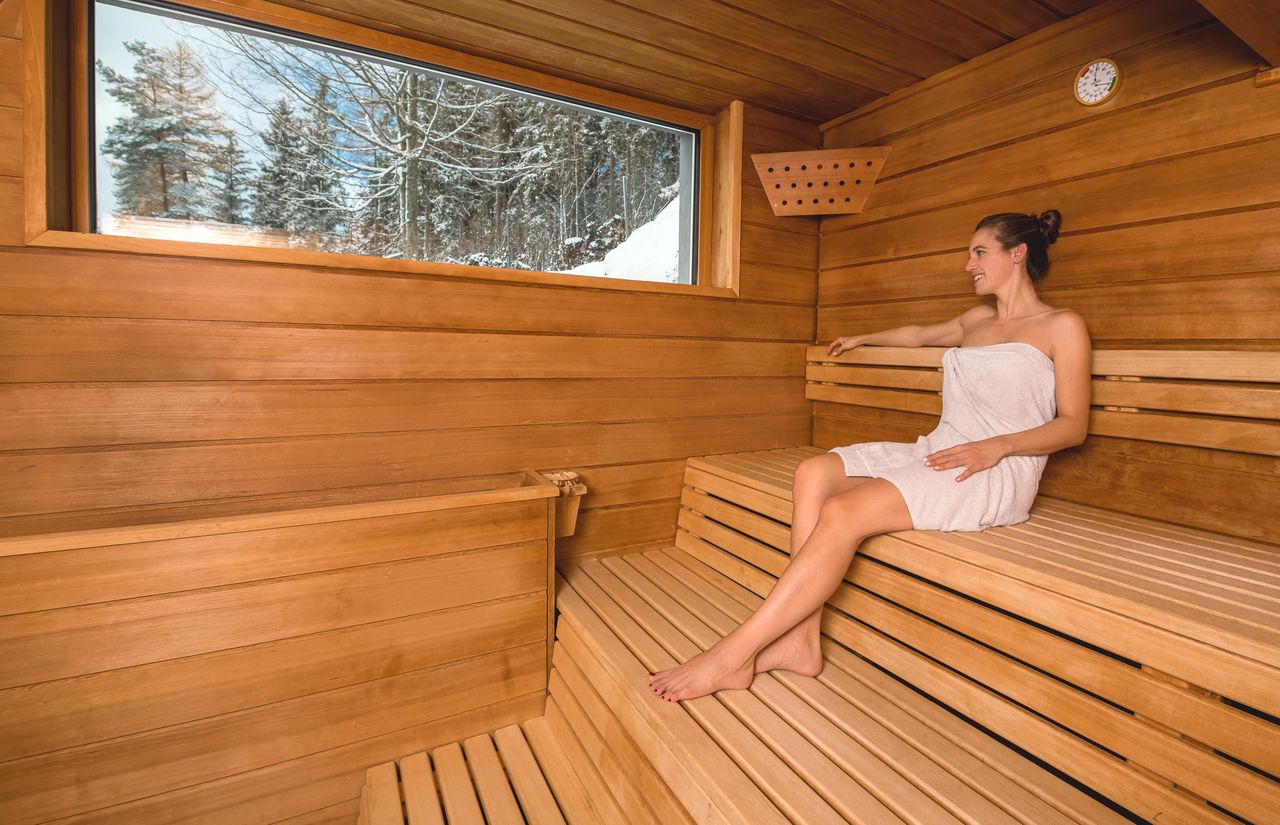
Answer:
(371, 157)
(234, 182)
(164, 148)
(276, 204)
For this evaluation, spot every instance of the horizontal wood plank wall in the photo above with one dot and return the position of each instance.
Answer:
(133, 673)
(1170, 195)
(134, 381)
(11, 204)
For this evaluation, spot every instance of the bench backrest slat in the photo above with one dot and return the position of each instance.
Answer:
(1219, 400)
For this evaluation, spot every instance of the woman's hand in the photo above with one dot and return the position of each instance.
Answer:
(975, 456)
(845, 343)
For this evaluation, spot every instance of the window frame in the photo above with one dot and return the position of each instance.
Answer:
(58, 197)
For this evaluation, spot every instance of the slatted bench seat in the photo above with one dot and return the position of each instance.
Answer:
(1085, 666)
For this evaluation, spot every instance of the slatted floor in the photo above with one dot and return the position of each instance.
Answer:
(518, 774)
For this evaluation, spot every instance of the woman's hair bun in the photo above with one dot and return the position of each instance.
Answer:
(1050, 222)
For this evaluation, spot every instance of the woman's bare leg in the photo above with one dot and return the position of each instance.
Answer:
(816, 479)
(845, 520)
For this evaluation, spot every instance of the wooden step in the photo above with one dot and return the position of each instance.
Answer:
(832, 749)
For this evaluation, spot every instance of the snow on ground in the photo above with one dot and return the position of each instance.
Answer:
(650, 253)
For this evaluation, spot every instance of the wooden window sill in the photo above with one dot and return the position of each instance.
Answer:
(56, 239)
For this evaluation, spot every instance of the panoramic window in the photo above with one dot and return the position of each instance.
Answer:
(215, 130)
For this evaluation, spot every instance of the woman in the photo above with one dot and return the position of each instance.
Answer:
(1016, 387)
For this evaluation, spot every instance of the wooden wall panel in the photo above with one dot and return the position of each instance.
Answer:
(11, 18)
(69, 712)
(1206, 119)
(43, 416)
(137, 670)
(64, 643)
(1226, 310)
(1175, 62)
(136, 476)
(1232, 243)
(11, 210)
(206, 681)
(173, 565)
(1169, 203)
(776, 252)
(313, 783)
(54, 348)
(1233, 177)
(11, 127)
(616, 527)
(10, 142)
(56, 282)
(75, 780)
(11, 70)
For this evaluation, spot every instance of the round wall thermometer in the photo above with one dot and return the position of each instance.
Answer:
(1097, 82)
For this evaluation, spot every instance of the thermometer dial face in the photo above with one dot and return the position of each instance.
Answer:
(1097, 82)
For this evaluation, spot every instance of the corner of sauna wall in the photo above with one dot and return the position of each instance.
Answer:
(1168, 198)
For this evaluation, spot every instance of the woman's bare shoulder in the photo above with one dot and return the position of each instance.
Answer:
(1067, 329)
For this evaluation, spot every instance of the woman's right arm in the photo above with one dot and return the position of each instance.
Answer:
(947, 333)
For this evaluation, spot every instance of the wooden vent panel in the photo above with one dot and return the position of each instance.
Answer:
(820, 181)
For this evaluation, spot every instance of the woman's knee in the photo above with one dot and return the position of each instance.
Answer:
(868, 509)
(819, 472)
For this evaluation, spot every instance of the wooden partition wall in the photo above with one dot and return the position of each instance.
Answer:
(1170, 196)
(236, 668)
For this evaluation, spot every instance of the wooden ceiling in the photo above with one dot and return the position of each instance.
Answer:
(813, 59)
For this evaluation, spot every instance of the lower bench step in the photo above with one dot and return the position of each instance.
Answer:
(852, 745)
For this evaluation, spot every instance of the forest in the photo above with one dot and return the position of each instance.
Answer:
(343, 152)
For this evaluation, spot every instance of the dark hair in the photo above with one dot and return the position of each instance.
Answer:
(1013, 228)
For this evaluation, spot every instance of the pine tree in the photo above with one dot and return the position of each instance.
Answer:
(164, 147)
(276, 188)
(319, 189)
(234, 181)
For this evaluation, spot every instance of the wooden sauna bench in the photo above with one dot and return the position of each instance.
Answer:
(977, 678)
(247, 660)
(1085, 666)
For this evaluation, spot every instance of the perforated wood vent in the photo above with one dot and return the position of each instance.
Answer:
(820, 181)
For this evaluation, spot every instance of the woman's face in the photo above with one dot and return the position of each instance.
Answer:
(990, 266)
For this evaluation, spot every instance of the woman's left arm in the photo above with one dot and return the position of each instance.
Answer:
(1073, 377)
(1073, 367)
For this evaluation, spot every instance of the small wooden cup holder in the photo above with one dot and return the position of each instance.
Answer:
(820, 181)
(571, 492)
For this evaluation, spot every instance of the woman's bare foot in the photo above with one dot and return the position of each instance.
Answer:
(707, 672)
(797, 650)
